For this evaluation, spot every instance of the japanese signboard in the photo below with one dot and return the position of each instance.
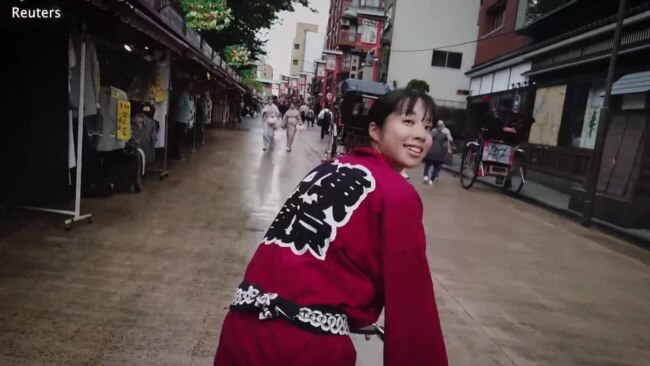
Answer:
(369, 33)
(320, 70)
(331, 62)
(123, 120)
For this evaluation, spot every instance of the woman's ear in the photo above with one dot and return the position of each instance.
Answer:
(374, 132)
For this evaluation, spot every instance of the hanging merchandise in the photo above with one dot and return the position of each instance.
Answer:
(162, 76)
(108, 135)
(72, 62)
(158, 89)
(206, 14)
(207, 107)
(144, 131)
(91, 77)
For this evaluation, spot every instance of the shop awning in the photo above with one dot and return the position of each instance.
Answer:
(632, 84)
(363, 87)
(168, 27)
(269, 81)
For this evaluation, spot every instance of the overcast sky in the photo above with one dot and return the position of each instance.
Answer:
(280, 37)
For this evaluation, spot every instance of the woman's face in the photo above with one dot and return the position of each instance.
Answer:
(404, 139)
(292, 106)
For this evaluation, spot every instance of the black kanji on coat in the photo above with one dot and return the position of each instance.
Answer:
(322, 202)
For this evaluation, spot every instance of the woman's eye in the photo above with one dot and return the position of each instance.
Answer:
(428, 128)
(409, 122)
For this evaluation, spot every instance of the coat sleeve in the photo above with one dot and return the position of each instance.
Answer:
(413, 332)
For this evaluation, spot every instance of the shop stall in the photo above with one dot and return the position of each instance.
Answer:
(90, 101)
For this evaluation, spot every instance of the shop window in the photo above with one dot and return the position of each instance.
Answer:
(536, 9)
(497, 17)
(371, 3)
(451, 60)
(454, 60)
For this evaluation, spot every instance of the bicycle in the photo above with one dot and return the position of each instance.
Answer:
(497, 153)
(332, 144)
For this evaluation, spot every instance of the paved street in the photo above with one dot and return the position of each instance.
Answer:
(148, 282)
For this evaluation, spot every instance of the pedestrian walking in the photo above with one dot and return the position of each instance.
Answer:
(303, 111)
(270, 122)
(311, 117)
(325, 119)
(450, 140)
(284, 106)
(184, 116)
(348, 243)
(437, 155)
(290, 122)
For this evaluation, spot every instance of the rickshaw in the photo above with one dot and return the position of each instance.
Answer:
(349, 129)
(497, 151)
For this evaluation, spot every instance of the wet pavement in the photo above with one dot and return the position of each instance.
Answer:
(149, 281)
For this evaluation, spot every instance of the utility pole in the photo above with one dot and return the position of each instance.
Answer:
(603, 125)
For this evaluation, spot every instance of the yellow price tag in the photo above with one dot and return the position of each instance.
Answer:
(123, 120)
(158, 91)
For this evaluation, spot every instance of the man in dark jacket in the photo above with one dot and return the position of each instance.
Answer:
(437, 154)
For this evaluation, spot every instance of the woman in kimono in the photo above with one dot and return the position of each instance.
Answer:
(348, 243)
(290, 121)
(270, 122)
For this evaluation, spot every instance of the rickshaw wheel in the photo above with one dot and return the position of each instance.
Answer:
(517, 178)
(469, 157)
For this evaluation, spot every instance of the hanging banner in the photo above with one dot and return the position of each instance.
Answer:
(331, 62)
(158, 89)
(595, 102)
(320, 70)
(369, 34)
(123, 120)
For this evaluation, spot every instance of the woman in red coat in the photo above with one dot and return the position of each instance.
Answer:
(348, 243)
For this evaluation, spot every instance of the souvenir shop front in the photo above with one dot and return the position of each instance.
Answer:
(87, 104)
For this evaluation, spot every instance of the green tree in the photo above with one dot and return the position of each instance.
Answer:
(420, 85)
(249, 79)
(249, 18)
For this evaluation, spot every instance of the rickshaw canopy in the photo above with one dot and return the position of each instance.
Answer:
(370, 88)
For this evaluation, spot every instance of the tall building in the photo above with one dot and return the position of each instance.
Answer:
(352, 44)
(313, 51)
(428, 40)
(298, 47)
(314, 44)
(262, 68)
(268, 71)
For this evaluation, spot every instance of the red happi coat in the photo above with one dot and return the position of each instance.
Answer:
(351, 237)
